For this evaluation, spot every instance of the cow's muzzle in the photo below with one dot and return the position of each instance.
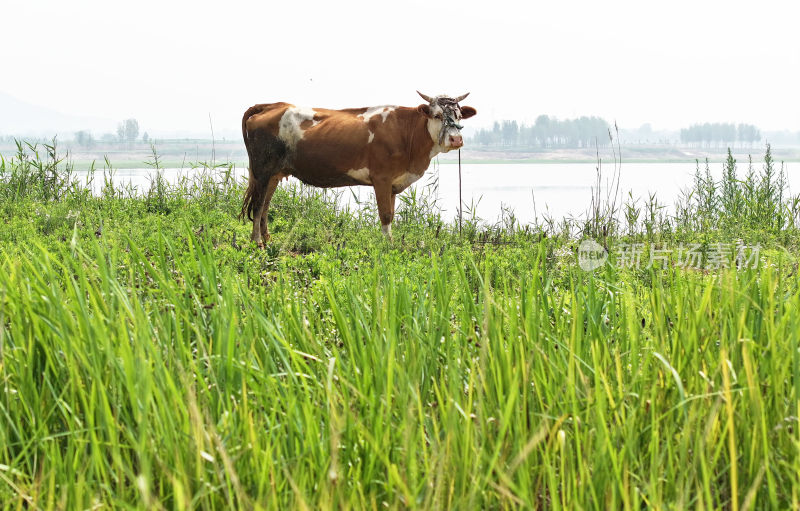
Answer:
(456, 141)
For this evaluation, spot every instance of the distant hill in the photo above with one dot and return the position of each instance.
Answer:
(19, 118)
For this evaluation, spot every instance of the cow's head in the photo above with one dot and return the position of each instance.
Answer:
(444, 114)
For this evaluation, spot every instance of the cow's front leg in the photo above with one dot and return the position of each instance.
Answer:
(385, 199)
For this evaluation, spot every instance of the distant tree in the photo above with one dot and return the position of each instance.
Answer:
(84, 138)
(542, 130)
(756, 136)
(527, 136)
(741, 133)
(748, 134)
(729, 133)
(145, 137)
(510, 131)
(706, 135)
(109, 138)
(128, 130)
(483, 137)
(131, 129)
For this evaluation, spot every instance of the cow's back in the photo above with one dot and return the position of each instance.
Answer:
(320, 145)
(327, 148)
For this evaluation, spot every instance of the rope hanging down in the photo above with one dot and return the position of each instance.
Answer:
(460, 202)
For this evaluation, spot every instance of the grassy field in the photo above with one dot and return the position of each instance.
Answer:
(152, 358)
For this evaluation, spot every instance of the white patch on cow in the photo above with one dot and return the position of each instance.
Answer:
(360, 175)
(387, 230)
(404, 180)
(383, 110)
(371, 137)
(289, 129)
(434, 127)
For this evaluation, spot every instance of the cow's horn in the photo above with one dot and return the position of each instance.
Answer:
(426, 98)
(461, 98)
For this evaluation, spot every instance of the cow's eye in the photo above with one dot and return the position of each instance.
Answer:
(437, 116)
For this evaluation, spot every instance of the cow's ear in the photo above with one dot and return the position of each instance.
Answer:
(425, 110)
(467, 112)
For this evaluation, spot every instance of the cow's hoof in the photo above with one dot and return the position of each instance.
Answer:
(261, 245)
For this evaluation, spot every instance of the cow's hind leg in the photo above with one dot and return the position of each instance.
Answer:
(272, 185)
(254, 199)
(267, 156)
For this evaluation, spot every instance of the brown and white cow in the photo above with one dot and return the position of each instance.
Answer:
(386, 147)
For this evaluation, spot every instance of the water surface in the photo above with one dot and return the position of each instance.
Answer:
(530, 190)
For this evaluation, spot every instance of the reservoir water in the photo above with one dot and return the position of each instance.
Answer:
(532, 190)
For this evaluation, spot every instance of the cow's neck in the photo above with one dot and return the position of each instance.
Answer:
(423, 148)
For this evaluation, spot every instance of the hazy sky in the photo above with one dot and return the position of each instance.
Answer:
(170, 64)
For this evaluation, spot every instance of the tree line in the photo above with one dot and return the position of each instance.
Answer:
(582, 132)
(127, 132)
(545, 132)
(720, 133)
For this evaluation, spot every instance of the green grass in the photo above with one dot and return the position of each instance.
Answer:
(151, 357)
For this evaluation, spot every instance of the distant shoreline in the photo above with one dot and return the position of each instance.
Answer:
(629, 154)
(186, 153)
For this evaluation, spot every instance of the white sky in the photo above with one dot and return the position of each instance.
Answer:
(169, 64)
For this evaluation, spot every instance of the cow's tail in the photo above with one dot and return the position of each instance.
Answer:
(254, 194)
(256, 183)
